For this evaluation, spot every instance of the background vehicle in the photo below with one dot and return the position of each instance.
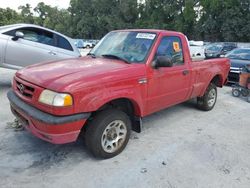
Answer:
(94, 42)
(128, 75)
(239, 58)
(243, 87)
(82, 43)
(88, 44)
(197, 50)
(25, 44)
(217, 49)
(79, 43)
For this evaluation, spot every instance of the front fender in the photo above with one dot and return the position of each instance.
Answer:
(96, 98)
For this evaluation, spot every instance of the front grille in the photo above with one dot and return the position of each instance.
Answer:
(233, 77)
(24, 89)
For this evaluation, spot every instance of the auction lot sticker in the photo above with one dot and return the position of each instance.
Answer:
(145, 36)
(176, 46)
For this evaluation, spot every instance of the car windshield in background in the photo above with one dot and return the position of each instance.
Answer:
(243, 54)
(214, 48)
(129, 46)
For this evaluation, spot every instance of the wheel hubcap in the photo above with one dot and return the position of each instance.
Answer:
(211, 97)
(114, 136)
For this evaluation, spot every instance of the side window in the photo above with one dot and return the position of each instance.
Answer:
(171, 47)
(35, 35)
(63, 43)
(10, 33)
(30, 34)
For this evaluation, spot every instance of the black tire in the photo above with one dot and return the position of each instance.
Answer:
(235, 92)
(208, 100)
(95, 137)
(244, 92)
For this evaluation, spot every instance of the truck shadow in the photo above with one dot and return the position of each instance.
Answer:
(156, 119)
(43, 156)
(22, 151)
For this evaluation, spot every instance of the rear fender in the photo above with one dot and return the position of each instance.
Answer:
(217, 79)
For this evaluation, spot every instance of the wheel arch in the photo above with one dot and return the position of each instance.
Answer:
(127, 105)
(217, 80)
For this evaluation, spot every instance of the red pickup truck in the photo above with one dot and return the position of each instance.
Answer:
(128, 75)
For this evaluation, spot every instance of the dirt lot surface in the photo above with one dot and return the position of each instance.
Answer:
(178, 147)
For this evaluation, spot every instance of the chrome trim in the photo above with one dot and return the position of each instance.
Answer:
(235, 69)
(142, 80)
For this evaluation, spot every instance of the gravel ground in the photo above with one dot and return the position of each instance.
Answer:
(178, 147)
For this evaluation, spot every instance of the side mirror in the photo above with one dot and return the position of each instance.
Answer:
(162, 61)
(18, 35)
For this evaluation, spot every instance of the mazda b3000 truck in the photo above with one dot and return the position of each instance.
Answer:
(128, 75)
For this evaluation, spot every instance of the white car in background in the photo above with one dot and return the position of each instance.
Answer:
(26, 44)
(197, 50)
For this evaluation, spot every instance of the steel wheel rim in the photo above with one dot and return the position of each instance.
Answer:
(211, 97)
(114, 136)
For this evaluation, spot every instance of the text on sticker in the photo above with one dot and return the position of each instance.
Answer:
(145, 36)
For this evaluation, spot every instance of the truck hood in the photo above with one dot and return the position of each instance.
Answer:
(61, 75)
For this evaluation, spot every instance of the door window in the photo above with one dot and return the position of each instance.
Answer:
(35, 35)
(63, 43)
(171, 47)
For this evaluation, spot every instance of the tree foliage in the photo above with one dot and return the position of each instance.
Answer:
(209, 20)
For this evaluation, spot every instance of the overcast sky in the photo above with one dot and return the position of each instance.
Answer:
(14, 4)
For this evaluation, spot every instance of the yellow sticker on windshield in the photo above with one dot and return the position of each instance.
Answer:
(176, 46)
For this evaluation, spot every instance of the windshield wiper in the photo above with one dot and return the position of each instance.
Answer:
(116, 57)
(91, 54)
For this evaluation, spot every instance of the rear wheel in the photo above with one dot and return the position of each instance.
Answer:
(208, 100)
(108, 133)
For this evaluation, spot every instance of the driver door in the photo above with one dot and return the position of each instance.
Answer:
(169, 85)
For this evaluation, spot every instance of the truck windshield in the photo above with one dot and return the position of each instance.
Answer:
(129, 46)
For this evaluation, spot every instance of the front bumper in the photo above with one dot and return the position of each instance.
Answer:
(54, 129)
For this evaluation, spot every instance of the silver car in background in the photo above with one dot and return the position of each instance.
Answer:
(26, 44)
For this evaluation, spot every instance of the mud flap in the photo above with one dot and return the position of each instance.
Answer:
(137, 124)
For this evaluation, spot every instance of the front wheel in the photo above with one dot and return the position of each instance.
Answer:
(108, 133)
(208, 100)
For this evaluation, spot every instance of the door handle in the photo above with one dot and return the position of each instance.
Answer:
(52, 53)
(185, 72)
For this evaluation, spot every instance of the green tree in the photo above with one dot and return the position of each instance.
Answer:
(26, 14)
(42, 11)
(226, 20)
(210, 20)
(187, 19)
(9, 16)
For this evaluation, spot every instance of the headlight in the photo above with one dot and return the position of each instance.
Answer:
(55, 99)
